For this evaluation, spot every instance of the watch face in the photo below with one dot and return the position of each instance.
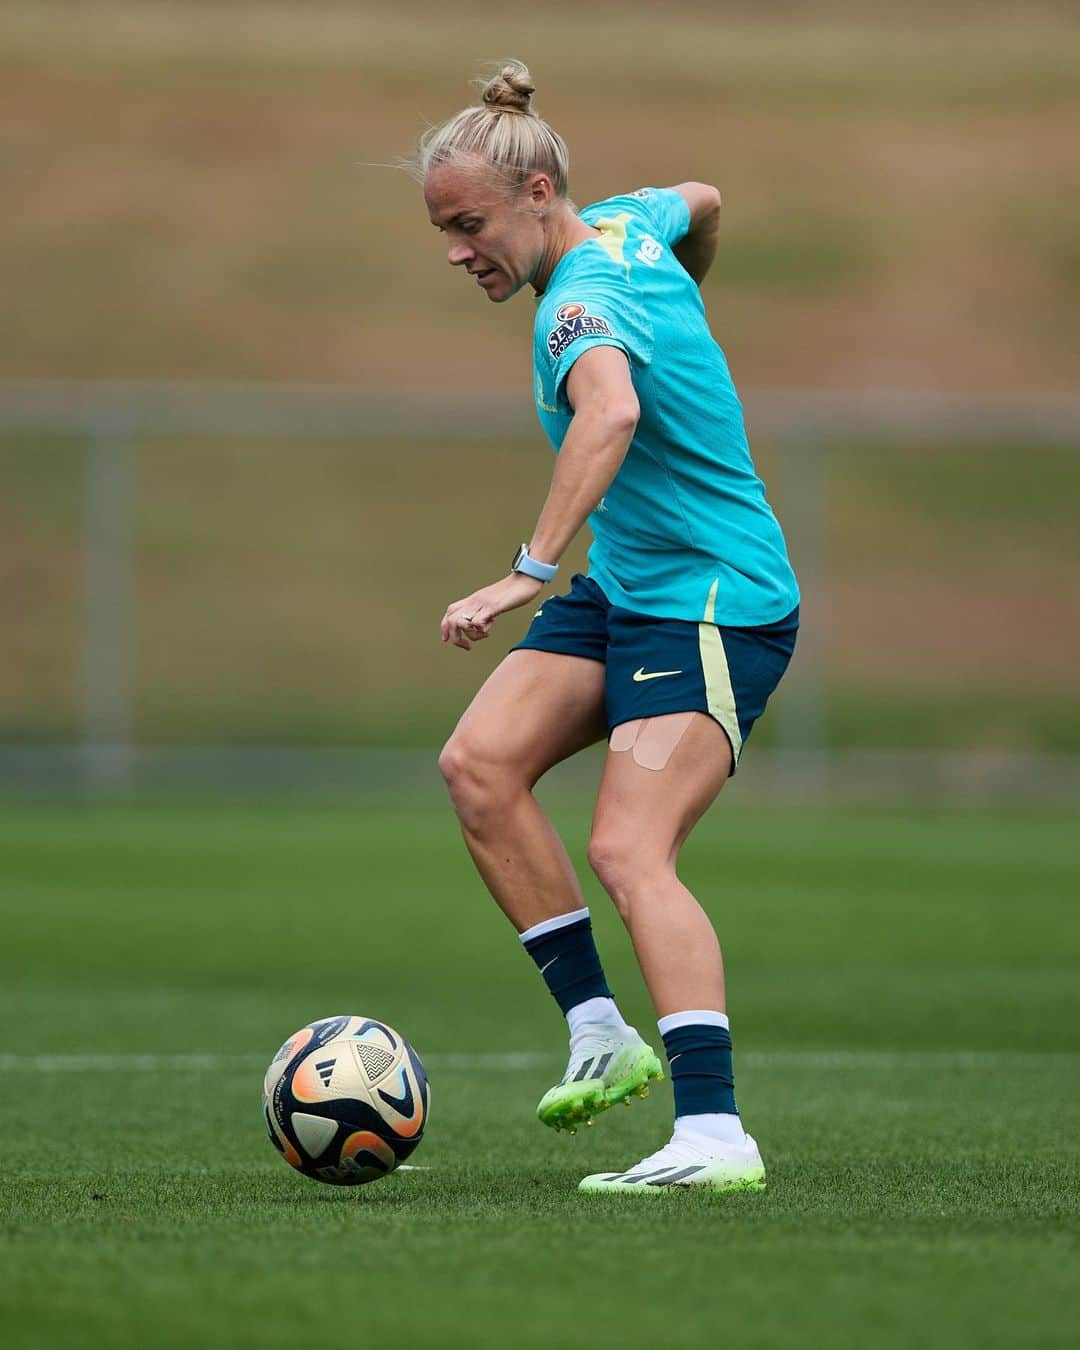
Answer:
(521, 553)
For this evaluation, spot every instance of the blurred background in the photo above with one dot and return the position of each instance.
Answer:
(255, 434)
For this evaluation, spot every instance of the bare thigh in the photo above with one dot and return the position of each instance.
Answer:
(646, 814)
(534, 710)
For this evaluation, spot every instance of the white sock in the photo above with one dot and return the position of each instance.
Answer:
(593, 1011)
(546, 926)
(714, 1128)
(696, 1017)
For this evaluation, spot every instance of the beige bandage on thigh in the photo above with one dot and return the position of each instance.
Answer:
(652, 739)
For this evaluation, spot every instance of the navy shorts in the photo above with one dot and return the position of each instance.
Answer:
(656, 666)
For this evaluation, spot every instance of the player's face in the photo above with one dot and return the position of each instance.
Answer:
(498, 239)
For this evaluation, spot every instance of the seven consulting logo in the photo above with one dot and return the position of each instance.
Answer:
(574, 321)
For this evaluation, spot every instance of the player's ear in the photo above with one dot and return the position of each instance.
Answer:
(541, 190)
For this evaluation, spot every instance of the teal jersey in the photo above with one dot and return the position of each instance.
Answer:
(685, 530)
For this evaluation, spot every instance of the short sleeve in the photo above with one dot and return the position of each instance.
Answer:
(668, 210)
(599, 319)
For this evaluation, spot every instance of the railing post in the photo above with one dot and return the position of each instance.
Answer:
(108, 631)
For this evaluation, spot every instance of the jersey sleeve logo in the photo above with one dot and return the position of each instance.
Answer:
(574, 321)
(650, 251)
(642, 192)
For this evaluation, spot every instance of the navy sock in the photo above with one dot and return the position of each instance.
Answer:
(570, 964)
(701, 1073)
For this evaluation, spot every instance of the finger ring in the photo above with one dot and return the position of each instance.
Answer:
(467, 618)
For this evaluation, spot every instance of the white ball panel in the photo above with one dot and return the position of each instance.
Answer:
(314, 1132)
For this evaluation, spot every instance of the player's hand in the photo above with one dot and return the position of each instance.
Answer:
(469, 620)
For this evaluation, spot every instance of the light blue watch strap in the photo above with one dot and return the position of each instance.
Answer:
(530, 567)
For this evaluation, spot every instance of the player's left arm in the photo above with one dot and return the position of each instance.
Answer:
(697, 248)
(606, 412)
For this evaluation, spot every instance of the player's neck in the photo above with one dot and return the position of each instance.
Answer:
(569, 233)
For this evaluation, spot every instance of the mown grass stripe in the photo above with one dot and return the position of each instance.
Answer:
(509, 1061)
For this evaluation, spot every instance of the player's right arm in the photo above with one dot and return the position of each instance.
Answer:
(697, 248)
(600, 390)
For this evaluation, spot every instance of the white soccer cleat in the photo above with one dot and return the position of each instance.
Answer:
(682, 1163)
(608, 1064)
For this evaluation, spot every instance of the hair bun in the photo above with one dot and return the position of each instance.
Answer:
(512, 88)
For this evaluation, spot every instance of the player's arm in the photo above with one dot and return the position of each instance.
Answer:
(697, 248)
(606, 411)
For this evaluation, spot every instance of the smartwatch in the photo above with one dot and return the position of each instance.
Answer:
(530, 567)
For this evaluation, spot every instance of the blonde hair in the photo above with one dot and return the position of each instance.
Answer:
(504, 131)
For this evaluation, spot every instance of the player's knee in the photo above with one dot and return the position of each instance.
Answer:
(452, 761)
(473, 779)
(621, 866)
(458, 765)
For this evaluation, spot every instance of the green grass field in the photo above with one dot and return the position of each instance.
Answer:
(904, 1005)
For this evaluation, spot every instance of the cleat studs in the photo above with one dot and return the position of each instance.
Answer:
(626, 1101)
(588, 1120)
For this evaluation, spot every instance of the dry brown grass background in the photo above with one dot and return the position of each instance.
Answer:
(193, 191)
(186, 193)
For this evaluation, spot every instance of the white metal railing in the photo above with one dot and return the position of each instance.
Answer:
(800, 427)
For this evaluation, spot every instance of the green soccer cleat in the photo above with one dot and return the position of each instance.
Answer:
(607, 1065)
(682, 1164)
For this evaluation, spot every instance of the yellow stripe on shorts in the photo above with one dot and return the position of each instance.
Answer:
(718, 690)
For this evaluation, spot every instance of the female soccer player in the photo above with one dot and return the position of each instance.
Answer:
(670, 645)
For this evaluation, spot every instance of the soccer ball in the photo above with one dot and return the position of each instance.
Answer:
(345, 1100)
